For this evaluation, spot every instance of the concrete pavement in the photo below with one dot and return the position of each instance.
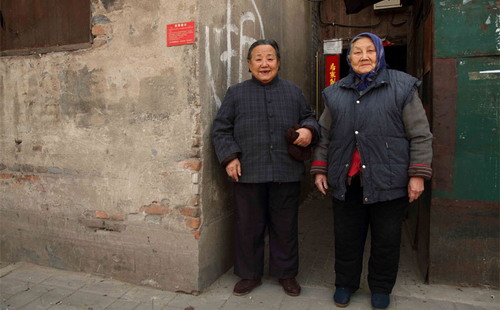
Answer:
(29, 287)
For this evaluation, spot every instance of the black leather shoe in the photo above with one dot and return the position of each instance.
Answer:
(291, 286)
(245, 286)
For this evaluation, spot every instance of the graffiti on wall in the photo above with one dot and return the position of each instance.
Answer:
(232, 51)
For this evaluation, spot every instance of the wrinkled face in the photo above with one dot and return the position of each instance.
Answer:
(363, 56)
(264, 64)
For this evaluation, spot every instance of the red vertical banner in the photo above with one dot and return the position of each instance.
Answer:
(332, 69)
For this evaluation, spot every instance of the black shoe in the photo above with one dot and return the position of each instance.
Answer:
(342, 297)
(245, 286)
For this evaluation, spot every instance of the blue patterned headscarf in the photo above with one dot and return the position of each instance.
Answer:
(367, 78)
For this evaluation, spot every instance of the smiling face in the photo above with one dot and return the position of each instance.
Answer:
(363, 56)
(264, 63)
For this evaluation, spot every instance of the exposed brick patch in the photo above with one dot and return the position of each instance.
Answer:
(193, 222)
(6, 176)
(196, 234)
(194, 153)
(195, 200)
(20, 177)
(189, 211)
(37, 148)
(2, 167)
(118, 217)
(196, 142)
(154, 209)
(98, 30)
(101, 215)
(191, 165)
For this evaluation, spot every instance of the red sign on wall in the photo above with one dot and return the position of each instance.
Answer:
(180, 34)
(332, 69)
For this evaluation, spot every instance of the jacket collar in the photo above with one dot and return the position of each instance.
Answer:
(350, 80)
(273, 82)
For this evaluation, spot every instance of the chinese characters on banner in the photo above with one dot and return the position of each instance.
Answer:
(180, 34)
(332, 69)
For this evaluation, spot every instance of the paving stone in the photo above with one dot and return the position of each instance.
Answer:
(87, 300)
(146, 306)
(21, 299)
(266, 296)
(9, 287)
(31, 274)
(460, 306)
(123, 305)
(110, 288)
(295, 304)
(198, 302)
(52, 297)
(410, 303)
(146, 295)
(70, 280)
(67, 307)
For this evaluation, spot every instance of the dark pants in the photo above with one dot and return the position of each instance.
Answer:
(351, 222)
(257, 207)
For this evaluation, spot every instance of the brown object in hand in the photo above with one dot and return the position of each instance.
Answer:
(297, 152)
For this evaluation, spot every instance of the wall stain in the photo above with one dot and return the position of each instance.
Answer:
(80, 96)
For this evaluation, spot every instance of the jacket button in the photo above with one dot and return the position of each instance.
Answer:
(366, 199)
(357, 101)
(271, 147)
(363, 166)
(356, 132)
(347, 165)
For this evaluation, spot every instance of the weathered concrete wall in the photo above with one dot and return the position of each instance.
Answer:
(106, 164)
(98, 151)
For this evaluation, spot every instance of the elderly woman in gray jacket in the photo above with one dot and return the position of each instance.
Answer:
(375, 152)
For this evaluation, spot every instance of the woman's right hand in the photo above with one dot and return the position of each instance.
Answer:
(321, 182)
(233, 169)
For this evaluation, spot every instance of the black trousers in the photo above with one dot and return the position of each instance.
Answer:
(266, 205)
(351, 222)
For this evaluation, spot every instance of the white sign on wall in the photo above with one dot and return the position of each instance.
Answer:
(333, 46)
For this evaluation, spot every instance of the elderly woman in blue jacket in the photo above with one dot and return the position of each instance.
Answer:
(375, 153)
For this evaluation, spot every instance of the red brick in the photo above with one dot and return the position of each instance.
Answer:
(6, 176)
(98, 30)
(101, 215)
(196, 234)
(31, 178)
(188, 211)
(191, 165)
(193, 222)
(155, 209)
(118, 217)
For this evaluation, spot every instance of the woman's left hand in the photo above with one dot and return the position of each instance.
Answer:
(305, 137)
(415, 188)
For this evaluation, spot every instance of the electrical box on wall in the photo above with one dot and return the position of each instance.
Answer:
(387, 4)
